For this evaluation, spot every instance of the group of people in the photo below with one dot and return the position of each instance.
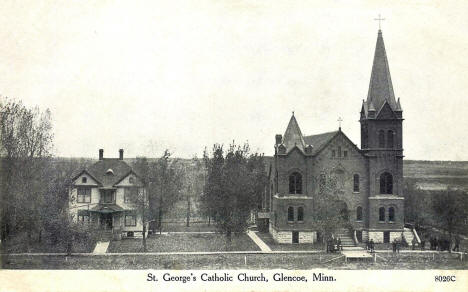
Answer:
(396, 245)
(370, 245)
(334, 244)
(442, 244)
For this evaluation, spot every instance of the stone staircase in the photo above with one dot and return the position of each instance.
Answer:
(409, 235)
(345, 236)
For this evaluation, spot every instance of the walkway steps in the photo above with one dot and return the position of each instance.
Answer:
(345, 236)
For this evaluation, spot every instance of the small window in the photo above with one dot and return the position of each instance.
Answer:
(84, 195)
(131, 180)
(290, 214)
(130, 234)
(130, 220)
(386, 183)
(339, 151)
(83, 216)
(295, 183)
(84, 179)
(300, 214)
(390, 139)
(333, 153)
(359, 213)
(391, 214)
(356, 183)
(382, 214)
(381, 139)
(345, 153)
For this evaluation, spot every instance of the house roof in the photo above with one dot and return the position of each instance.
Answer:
(380, 86)
(101, 171)
(108, 208)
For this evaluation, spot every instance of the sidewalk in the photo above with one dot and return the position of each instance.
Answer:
(258, 241)
(101, 247)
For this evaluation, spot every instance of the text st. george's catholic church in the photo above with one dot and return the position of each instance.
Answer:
(369, 179)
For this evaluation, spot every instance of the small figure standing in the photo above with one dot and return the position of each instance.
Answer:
(371, 245)
(456, 247)
(423, 242)
(398, 243)
(394, 243)
(413, 243)
(339, 244)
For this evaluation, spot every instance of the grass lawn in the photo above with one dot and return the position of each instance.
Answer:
(234, 261)
(185, 242)
(268, 239)
(194, 227)
(19, 244)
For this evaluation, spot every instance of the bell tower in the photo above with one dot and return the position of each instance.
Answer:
(381, 128)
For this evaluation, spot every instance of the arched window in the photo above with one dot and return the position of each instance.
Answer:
(290, 214)
(391, 214)
(295, 183)
(386, 183)
(359, 213)
(356, 183)
(390, 139)
(381, 214)
(300, 214)
(381, 139)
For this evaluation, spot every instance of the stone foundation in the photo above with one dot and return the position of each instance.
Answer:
(378, 236)
(286, 236)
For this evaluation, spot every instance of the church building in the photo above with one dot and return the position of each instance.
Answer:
(369, 179)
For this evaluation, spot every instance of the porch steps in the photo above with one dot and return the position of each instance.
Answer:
(105, 235)
(345, 236)
(409, 235)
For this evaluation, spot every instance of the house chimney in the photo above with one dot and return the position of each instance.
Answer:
(101, 154)
(278, 139)
(121, 154)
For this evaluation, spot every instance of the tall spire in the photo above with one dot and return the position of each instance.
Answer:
(380, 87)
(293, 135)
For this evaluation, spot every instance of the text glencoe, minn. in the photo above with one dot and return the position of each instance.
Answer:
(240, 277)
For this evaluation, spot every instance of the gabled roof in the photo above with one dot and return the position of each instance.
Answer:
(380, 86)
(85, 171)
(99, 170)
(293, 136)
(319, 141)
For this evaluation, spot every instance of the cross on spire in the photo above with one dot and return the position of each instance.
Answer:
(379, 19)
(339, 122)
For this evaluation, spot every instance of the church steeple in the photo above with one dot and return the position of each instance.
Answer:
(380, 87)
(293, 136)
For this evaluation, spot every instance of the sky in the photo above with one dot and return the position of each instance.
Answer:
(183, 75)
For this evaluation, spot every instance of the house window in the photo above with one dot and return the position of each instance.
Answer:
(391, 214)
(130, 234)
(131, 180)
(339, 151)
(83, 216)
(84, 179)
(382, 214)
(130, 219)
(390, 139)
(333, 153)
(359, 213)
(130, 195)
(381, 139)
(84, 195)
(300, 214)
(107, 197)
(386, 183)
(356, 183)
(295, 183)
(290, 214)
(345, 153)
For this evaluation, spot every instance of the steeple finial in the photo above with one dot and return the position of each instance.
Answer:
(339, 123)
(379, 19)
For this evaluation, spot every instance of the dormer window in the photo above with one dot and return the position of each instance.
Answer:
(110, 172)
(84, 179)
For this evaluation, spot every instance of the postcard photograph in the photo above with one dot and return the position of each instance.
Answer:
(234, 135)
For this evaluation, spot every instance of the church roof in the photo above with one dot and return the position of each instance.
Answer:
(319, 141)
(380, 87)
(293, 136)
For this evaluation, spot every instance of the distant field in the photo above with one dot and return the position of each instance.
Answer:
(437, 175)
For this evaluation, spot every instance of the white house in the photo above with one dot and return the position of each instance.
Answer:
(104, 194)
